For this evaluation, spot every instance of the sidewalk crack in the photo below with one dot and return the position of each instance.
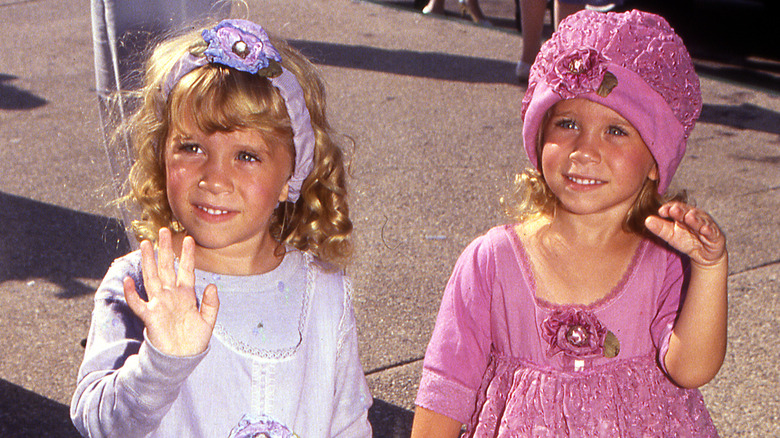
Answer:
(18, 2)
(754, 268)
(394, 365)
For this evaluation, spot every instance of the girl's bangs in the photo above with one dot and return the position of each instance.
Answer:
(218, 99)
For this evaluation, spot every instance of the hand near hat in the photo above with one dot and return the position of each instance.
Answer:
(697, 346)
(691, 231)
(175, 324)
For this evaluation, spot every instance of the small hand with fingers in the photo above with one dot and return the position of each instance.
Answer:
(174, 323)
(691, 231)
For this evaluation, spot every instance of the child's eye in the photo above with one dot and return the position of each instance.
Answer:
(248, 157)
(190, 147)
(566, 124)
(616, 130)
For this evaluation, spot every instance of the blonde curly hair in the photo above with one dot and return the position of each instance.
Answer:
(220, 99)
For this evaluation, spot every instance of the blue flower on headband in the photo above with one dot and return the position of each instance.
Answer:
(240, 44)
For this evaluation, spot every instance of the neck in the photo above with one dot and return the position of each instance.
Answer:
(589, 231)
(258, 258)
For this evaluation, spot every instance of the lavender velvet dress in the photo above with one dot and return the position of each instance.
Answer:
(508, 364)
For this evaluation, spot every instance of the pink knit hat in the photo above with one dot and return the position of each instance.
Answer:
(632, 62)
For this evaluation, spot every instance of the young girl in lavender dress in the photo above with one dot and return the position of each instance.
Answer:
(239, 322)
(602, 309)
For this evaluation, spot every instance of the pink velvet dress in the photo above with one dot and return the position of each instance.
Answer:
(508, 364)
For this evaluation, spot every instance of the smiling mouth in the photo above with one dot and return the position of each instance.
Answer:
(212, 211)
(584, 181)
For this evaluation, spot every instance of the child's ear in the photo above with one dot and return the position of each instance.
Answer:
(653, 175)
(285, 192)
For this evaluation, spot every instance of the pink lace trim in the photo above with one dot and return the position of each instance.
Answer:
(616, 292)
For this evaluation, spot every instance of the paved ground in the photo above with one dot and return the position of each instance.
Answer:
(434, 112)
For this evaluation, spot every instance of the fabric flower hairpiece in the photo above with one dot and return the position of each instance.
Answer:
(581, 71)
(245, 46)
(238, 44)
(242, 45)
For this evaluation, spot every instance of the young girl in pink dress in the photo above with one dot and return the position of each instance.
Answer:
(604, 306)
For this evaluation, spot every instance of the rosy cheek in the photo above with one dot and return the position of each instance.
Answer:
(260, 190)
(176, 168)
(174, 175)
(550, 155)
(175, 183)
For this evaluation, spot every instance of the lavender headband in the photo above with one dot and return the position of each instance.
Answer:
(245, 46)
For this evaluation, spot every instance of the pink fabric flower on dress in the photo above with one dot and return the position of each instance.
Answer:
(574, 332)
(579, 72)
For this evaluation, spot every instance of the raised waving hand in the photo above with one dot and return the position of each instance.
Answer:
(691, 231)
(697, 346)
(174, 323)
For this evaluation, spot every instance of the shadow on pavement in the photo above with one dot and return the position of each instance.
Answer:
(390, 421)
(12, 98)
(724, 29)
(735, 40)
(39, 240)
(744, 116)
(433, 65)
(25, 414)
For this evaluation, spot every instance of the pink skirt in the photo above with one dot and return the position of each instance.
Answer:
(625, 398)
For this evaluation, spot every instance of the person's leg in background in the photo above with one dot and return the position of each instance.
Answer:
(122, 31)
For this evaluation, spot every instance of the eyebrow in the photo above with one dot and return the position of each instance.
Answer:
(622, 122)
(616, 119)
(261, 149)
(177, 132)
(181, 137)
(558, 110)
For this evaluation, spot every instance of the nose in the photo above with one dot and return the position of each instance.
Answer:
(215, 176)
(586, 148)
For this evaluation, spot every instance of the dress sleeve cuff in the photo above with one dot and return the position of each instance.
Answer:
(444, 396)
(663, 348)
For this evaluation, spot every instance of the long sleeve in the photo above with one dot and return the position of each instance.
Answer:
(125, 386)
(352, 398)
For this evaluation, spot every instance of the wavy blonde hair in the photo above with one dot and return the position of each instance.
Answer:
(220, 99)
(531, 197)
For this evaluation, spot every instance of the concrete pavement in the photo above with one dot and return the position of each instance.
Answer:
(434, 112)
